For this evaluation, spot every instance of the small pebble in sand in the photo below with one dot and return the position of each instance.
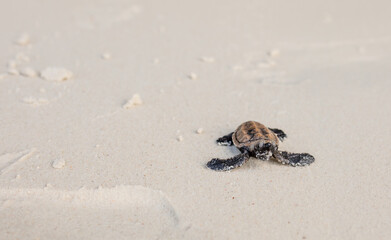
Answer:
(106, 56)
(56, 74)
(274, 52)
(17, 176)
(23, 40)
(192, 76)
(200, 131)
(28, 72)
(156, 61)
(42, 90)
(207, 59)
(13, 71)
(179, 138)
(58, 163)
(134, 101)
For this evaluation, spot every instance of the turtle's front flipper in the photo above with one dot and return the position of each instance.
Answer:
(228, 164)
(294, 159)
(280, 134)
(225, 140)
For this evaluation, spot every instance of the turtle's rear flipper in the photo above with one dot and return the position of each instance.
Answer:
(228, 164)
(294, 159)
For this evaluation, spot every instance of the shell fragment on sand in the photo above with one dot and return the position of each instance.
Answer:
(207, 59)
(13, 71)
(180, 138)
(200, 131)
(192, 76)
(58, 163)
(274, 52)
(266, 64)
(23, 40)
(134, 101)
(106, 56)
(12, 64)
(56, 74)
(28, 72)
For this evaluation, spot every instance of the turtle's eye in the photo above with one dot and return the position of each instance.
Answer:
(267, 145)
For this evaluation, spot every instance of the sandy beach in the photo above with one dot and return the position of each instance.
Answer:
(109, 111)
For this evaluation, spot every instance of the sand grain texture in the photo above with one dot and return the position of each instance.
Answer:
(102, 213)
(319, 71)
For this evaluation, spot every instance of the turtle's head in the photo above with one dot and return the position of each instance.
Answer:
(263, 151)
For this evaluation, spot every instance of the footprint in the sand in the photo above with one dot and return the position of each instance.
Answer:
(121, 212)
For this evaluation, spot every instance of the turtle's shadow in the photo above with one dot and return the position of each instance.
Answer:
(233, 150)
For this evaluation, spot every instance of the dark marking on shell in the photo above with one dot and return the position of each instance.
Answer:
(251, 132)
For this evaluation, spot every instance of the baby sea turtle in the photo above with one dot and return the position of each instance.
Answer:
(255, 140)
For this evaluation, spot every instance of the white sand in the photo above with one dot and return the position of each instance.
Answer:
(319, 71)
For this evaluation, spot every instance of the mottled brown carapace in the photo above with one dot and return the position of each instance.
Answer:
(249, 132)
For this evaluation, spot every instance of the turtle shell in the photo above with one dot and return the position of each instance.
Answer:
(250, 133)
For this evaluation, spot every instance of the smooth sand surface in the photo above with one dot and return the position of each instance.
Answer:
(82, 158)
